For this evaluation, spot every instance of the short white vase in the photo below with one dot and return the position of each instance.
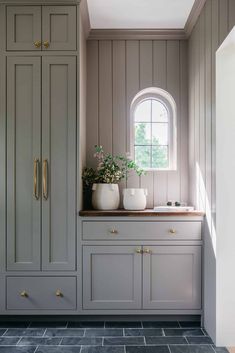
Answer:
(135, 199)
(105, 196)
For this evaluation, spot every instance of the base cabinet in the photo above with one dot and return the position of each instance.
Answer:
(111, 277)
(153, 277)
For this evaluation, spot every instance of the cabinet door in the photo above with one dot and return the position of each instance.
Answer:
(111, 277)
(172, 277)
(23, 27)
(59, 27)
(23, 146)
(59, 162)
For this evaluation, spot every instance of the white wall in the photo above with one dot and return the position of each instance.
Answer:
(225, 191)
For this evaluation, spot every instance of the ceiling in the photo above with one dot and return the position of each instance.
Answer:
(139, 14)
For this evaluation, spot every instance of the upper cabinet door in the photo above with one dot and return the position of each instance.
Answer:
(59, 27)
(24, 28)
(23, 163)
(172, 278)
(59, 162)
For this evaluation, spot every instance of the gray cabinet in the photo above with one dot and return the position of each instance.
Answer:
(23, 152)
(111, 277)
(41, 28)
(172, 277)
(41, 182)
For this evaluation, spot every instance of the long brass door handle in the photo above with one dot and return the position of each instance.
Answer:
(36, 178)
(45, 179)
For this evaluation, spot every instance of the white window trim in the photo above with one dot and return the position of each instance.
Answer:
(169, 102)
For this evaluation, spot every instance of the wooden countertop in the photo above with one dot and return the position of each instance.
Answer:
(145, 213)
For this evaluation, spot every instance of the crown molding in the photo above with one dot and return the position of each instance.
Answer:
(193, 16)
(132, 34)
(40, 2)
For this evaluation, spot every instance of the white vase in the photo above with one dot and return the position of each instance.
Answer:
(135, 199)
(105, 196)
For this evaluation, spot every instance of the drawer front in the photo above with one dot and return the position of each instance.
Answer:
(41, 293)
(99, 230)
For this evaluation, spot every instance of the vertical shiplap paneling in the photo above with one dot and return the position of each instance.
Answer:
(132, 88)
(214, 46)
(173, 87)
(231, 14)
(159, 80)
(184, 121)
(92, 133)
(223, 20)
(105, 95)
(201, 142)
(196, 109)
(208, 55)
(146, 80)
(119, 102)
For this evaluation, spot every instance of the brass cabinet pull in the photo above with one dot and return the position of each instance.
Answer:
(45, 179)
(46, 44)
(58, 293)
(36, 178)
(113, 231)
(172, 231)
(24, 294)
(37, 44)
(139, 251)
(147, 251)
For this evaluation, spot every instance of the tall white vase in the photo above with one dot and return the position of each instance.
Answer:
(105, 196)
(135, 199)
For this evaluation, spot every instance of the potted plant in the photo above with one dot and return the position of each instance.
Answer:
(104, 179)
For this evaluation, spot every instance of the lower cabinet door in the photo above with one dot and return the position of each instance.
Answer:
(172, 277)
(41, 293)
(111, 277)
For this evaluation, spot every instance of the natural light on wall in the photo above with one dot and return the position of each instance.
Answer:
(153, 129)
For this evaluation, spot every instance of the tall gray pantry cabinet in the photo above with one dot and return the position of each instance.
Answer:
(39, 66)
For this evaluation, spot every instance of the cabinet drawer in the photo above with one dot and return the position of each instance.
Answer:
(94, 230)
(41, 293)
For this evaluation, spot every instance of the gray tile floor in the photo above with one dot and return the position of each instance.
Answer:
(105, 337)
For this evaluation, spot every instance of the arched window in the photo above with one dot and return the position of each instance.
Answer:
(153, 129)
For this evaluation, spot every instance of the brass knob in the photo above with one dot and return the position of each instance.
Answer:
(37, 44)
(172, 231)
(58, 293)
(113, 231)
(24, 294)
(139, 251)
(46, 44)
(147, 251)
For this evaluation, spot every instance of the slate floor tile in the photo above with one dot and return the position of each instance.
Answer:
(192, 349)
(102, 350)
(82, 341)
(103, 332)
(123, 341)
(143, 332)
(123, 324)
(35, 332)
(161, 324)
(14, 349)
(183, 332)
(165, 340)
(14, 324)
(199, 340)
(58, 349)
(53, 324)
(9, 341)
(42, 341)
(149, 349)
(86, 324)
(61, 332)
(190, 324)
(220, 349)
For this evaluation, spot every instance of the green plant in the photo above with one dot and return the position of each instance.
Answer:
(110, 169)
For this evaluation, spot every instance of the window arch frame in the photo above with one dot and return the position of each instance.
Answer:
(164, 97)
